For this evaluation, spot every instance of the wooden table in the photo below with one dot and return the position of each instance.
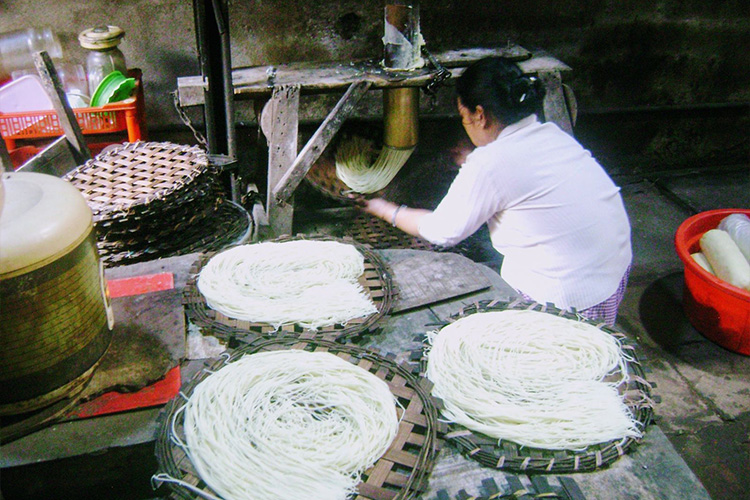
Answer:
(115, 454)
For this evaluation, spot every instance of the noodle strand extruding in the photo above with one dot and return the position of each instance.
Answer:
(286, 424)
(355, 168)
(311, 283)
(532, 378)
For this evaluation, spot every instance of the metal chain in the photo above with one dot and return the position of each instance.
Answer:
(186, 120)
(442, 74)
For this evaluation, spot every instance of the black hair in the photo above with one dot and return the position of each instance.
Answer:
(501, 88)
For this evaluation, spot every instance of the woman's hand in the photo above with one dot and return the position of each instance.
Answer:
(373, 206)
(379, 207)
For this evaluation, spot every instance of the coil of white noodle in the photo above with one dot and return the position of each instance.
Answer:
(287, 424)
(532, 378)
(355, 168)
(311, 283)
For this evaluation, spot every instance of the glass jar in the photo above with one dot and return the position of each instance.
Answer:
(104, 57)
(17, 48)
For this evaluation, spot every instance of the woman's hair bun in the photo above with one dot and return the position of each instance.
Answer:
(501, 88)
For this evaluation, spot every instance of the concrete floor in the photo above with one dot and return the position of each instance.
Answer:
(704, 389)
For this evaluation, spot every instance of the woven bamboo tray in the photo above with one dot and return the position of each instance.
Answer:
(510, 456)
(225, 225)
(322, 176)
(520, 488)
(377, 233)
(401, 473)
(377, 281)
(137, 176)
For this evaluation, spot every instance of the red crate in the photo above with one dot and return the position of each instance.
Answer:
(127, 115)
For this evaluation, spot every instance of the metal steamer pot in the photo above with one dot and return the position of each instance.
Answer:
(55, 319)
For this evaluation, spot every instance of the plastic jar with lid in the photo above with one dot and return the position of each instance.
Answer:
(104, 56)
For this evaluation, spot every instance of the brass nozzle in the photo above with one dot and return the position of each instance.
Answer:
(401, 120)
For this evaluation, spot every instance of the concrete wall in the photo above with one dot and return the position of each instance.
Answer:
(624, 55)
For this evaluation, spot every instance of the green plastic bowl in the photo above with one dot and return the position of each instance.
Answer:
(113, 88)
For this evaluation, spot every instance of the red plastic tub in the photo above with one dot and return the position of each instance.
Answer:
(715, 308)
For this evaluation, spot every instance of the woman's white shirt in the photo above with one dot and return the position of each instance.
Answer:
(552, 211)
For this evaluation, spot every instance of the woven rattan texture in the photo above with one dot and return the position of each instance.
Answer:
(520, 488)
(377, 281)
(224, 224)
(157, 199)
(136, 174)
(510, 456)
(377, 233)
(401, 473)
(322, 176)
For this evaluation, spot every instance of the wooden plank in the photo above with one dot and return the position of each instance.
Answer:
(426, 278)
(315, 77)
(68, 122)
(284, 118)
(464, 57)
(319, 141)
(555, 109)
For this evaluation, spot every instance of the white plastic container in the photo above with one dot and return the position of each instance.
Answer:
(738, 227)
(24, 94)
(72, 78)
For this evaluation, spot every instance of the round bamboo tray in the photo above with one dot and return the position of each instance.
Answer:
(376, 280)
(401, 473)
(507, 455)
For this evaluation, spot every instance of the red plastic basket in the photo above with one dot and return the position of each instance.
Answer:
(127, 115)
(715, 308)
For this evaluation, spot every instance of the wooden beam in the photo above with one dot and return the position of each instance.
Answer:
(282, 150)
(554, 103)
(67, 119)
(319, 141)
(315, 77)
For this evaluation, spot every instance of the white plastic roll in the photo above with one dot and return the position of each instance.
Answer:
(702, 261)
(738, 227)
(725, 258)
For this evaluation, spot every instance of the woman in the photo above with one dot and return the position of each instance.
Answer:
(552, 211)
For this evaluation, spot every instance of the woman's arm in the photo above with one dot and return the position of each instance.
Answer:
(405, 218)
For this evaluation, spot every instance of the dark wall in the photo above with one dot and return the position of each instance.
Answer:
(658, 83)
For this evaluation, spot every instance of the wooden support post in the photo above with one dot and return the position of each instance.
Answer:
(68, 122)
(555, 107)
(284, 189)
(282, 150)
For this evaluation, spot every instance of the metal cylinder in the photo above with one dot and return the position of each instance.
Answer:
(402, 40)
(401, 117)
(56, 321)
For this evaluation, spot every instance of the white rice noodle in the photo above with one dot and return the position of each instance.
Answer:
(355, 168)
(287, 424)
(533, 378)
(311, 283)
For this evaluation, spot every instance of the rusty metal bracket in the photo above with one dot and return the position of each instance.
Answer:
(440, 77)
